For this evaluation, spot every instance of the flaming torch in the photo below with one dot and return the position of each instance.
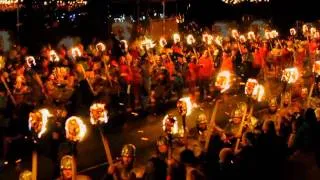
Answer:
(293, 32)
(207, 38)
(100, 47)
(147, 43)
(235, 34)
(163, 42)
(316, 73)
(176, 38)
(75, 52)
(289, 76)
(99, 117)
(38, 125)
(191, 41)
(31, 61)
(184, 106)
(53, 56)
(170, 127)
(223, 81)
(251, 36)
(75, 132)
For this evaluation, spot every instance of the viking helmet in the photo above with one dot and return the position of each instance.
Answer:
(202, 119)
(25, 175)
(128, 150)
(66, 162)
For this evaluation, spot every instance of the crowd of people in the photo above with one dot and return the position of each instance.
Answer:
(144, 75)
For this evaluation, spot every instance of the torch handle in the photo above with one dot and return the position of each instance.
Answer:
(107, 73)
(310, 94)
(211, 125)
(242, 125)
(34, 164)
(8, 91)
(90, 85)
(74, 168)
(107, 150)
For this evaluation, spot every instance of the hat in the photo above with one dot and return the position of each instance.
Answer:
(128, 150)
(66, 162)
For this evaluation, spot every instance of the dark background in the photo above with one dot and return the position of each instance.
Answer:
(40, 25)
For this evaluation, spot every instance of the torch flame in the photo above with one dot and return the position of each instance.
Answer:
(186, 106)
(305, 28)
(250, 85)
(176, 38)
(30, 61)
(251, 35)
(242, 39)
(258, 92)
(148, 43)
(75, 52)
(100, 47)
(38, 121)
(125, 44)
(274, 34)
(293, 32)
(235, 33)
(98, 113)
(267, 35)
(207, 38)
(53, 56)
(290, 75)
(316, 67)
(174, 129)
(75, 129)
(190, 39)
(163, 42)
(313, 30)
(218, 40)
(223, 81)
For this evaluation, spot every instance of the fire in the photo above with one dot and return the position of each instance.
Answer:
(98, 113)
(100, 47)
(218, 40)
(207, 38)
(190, 39)
(53, 56)
(235, 33)
(267, 35)
(293, 32)
(305, 28)
(38, 121)
(148, 43)
(125, 43)
(75, 129)
(75, 52)
(170, 124)
(274, 34)
(313, 31)
(250, 86)
(251, 35)
(176, 38)
(290, 75)
(258, 92)
(223, 81)
(30, 61)
(316, 67)
(185, 106)
(242, 39)
(163, 42)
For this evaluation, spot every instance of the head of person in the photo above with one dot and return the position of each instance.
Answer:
(202, 122)
(273, 105)
(128, 154)
(66, 167)
(162, 144)
(226, 156)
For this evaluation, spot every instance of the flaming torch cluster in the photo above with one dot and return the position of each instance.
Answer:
(147, 43)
